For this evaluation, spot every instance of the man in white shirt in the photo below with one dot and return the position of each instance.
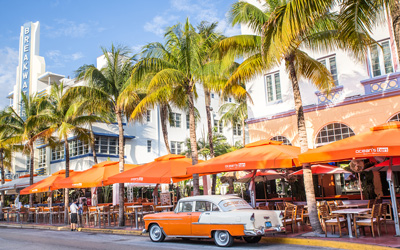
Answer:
(74, 215)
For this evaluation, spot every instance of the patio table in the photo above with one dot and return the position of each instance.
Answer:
(349, 212)
(136, 214)
(352, 206)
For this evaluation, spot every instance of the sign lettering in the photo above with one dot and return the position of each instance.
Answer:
(25, 62)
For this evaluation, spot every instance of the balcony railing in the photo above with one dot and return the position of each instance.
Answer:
(382, 83)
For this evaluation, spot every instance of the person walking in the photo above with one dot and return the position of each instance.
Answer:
(74, 215)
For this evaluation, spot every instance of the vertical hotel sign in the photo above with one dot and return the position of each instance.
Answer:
(26, 63)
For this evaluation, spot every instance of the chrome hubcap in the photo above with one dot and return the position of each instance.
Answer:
(155, 232)
(222, 237)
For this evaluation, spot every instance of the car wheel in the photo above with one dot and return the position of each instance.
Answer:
(252, 239)
(156, 234)
(223, 238)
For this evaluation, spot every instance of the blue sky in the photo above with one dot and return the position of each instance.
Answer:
(72, 32)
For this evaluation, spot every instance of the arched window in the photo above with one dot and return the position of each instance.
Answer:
(333, 132)
(282, 139)
(395, 118)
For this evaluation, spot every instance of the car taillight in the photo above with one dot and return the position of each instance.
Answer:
(252, 217)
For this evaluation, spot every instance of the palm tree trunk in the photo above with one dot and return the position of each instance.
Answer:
(92, 144)
(121, 217)
(395, 15)
(164, 119)
(301, 126)
(244, 132)
(193, 140)
(207, 95)
(32, 157)
(66, 191)
(3, 176)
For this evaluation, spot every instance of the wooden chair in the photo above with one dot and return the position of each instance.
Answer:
(104, 213)
(289, 217)
(93, 212)
(333, 220)
(339, 203)
(144, 211)
(369, 220)
(32, 214)
(129, 214)
(280, 206)
(23, 214)
(299, 219)
(115, 213)
(332, 206)
(382, 219)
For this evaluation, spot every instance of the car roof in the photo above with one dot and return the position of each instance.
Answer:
(212, 198)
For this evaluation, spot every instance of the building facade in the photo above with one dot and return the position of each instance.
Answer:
(366, 94)
(143, 141)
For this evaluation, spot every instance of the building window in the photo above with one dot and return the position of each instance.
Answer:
(282, 139)
(57, 153)
(381, 59)
(106, 145)
(237, 129)
(395, 118)
(218, 125)
(333, 132)
(273, 86)
(187, 122)
(175, 120)
(77, 147)
(176, 147)
(148, 116)
(330, 64)
(148, 146)
(42, 157)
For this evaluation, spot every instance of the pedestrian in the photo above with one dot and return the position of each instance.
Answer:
(74, 215)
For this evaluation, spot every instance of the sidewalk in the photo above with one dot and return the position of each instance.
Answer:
(386, 241)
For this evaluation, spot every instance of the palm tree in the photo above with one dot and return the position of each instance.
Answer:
(235, 113)
(177, 68)
(285, 29)
(25, 127)
(65, 117)
(110, 86)
(356, 16)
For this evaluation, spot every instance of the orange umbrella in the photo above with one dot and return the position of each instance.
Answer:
(96, 176)
(47, 184)
(257, 155)
(381, 140)
(323, 169)
(163, 169)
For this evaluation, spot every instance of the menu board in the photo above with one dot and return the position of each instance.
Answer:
(165, 199)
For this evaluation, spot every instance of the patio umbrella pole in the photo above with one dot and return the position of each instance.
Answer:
(252, 188)
(360, 186)
(393, 197)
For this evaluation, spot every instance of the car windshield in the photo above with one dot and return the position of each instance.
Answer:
(234, 204)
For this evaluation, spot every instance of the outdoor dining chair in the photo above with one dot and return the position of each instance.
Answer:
(299, 219)
(22, 214)
(93, 213)
(369, 220)
(382, 219)
(129, 213)
(114, 214)
(333, 220)
(104, 214)
(289, 217)
(32, 214)
(148, 209)
(280, 206)
(13, 214)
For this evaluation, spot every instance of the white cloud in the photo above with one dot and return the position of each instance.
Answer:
(59, 59)
(159, 23)
(8, 65)
(136, 48)
(64, 27)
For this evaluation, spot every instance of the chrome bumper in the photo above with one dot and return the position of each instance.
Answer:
(144, 231)
(264, 231)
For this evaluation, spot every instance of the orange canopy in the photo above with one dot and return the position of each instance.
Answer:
(383, 140)
(6, 180)
(323, 169)
(161, 170)
(47, 184)
(258, 155)
(96, 176)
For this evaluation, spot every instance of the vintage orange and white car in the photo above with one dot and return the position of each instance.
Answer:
(222, 217)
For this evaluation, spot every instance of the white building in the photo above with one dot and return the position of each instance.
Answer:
(143, 141)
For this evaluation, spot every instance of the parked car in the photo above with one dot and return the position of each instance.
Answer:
(222, 217)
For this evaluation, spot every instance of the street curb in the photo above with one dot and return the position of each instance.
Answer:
(271, 240)
(322, 243)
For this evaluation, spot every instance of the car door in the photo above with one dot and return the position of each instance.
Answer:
(180, 224)
(202, 209)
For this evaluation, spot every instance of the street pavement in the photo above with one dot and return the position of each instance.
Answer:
(33, 239)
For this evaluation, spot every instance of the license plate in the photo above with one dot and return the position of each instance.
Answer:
(268, 224)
